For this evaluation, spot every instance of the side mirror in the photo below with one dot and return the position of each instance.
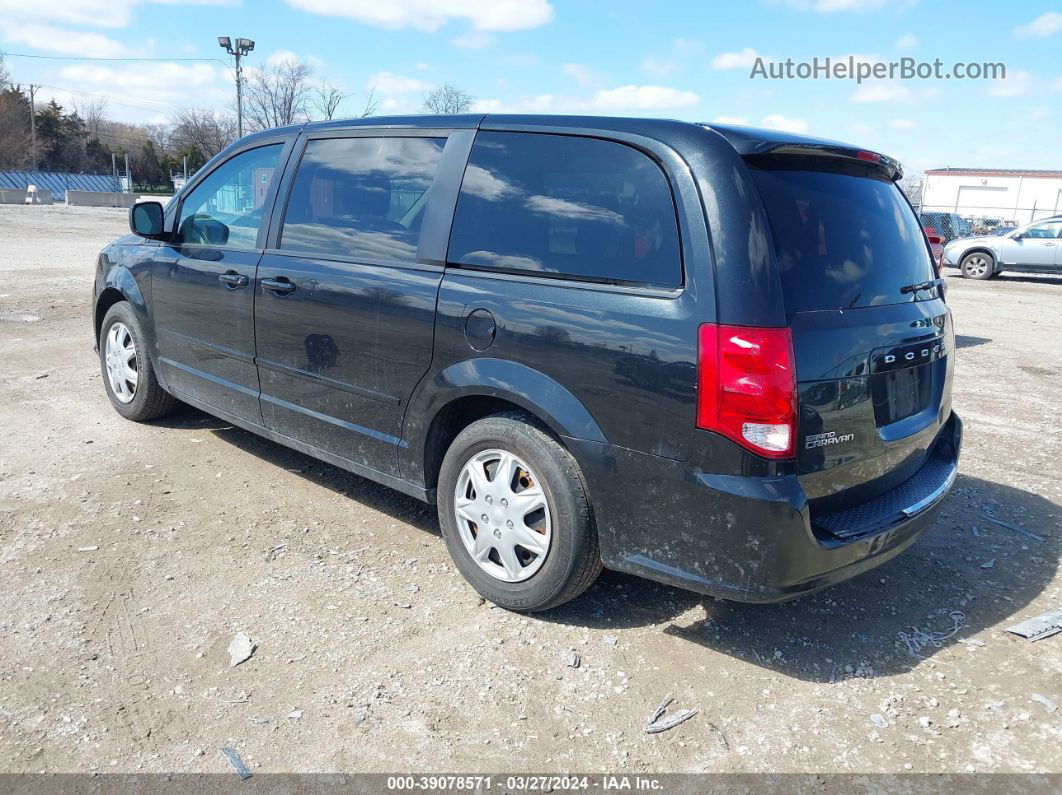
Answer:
(147, 219)
(1018, 236)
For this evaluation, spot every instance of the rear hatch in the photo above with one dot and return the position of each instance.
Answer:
(872, 335)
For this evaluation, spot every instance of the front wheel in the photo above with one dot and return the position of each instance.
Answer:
(978, 265)
(128, 375)
(515, 514)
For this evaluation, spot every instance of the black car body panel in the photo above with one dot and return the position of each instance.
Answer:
(372, 363)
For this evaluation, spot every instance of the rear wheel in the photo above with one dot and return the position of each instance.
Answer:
(515, 514)
(128, 375)
(978, 265)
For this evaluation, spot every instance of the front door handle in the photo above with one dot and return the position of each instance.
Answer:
(232, 279)
(279, 286)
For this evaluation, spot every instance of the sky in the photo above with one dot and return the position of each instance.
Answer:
(682, 59)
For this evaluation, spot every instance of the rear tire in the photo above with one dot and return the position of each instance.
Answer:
(516, 577)
(979, 265)
(128, 375)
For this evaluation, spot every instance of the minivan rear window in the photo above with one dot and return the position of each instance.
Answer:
(843, 239)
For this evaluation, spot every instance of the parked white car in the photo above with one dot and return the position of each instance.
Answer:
(1033, 248)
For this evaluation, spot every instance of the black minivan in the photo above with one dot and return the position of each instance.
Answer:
(713, 356)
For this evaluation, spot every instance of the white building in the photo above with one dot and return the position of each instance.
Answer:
(1008, 194)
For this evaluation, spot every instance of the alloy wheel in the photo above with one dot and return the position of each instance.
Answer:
(977, 265)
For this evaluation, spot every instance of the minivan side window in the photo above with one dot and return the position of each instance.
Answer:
(361, 198)
(225, 209)
(559, 205)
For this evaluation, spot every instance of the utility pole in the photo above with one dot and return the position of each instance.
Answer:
(128, 177)
(242, 48)
(33, 127)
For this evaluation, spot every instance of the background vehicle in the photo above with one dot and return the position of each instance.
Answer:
(948, 225)
(1033, 248)
(520, 318)
(936, 246)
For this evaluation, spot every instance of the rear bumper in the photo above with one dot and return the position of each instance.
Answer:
(754, 539)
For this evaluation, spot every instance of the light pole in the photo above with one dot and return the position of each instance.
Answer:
(243, 46)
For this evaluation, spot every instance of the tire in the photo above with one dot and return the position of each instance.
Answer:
(570, 562)
(144, 399)
(978, 265)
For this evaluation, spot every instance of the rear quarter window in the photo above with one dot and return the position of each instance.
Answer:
(566, 206)
(841, 240)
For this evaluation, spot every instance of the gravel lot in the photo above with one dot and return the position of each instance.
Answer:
(131, 554)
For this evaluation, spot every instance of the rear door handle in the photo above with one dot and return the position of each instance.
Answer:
(279, 286)
(233, 279)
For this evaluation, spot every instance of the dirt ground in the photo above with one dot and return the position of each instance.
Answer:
(131, 554)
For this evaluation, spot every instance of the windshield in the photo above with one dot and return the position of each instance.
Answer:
(842, 241)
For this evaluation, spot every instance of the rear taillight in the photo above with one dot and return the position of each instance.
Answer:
(746, 387)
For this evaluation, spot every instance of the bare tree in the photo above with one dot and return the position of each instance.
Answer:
(5, 76)
(370, 104)
(326, 98)
(447, 99)
(277, 95)
(203, 129)
(93, 112)
(161, 135)
(911, 184)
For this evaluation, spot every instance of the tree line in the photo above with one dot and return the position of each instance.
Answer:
(82, 138)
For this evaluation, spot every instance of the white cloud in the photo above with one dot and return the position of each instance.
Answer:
(730, 120)
(1015, 84)
(63, 40)
(94, 13)
(829, 6)
(430, 15)
(160, 75)
(280, 57)
(142, 94)
(390, 83)
(906, 42)
(623, 99)
(902, 124)
(681, 51)
(543, 103)
(881, 92)
(776, 121)
(1043, 26)
(580, 74)
(474, 40)
(745, 59)
(657, 68)
(634, 97)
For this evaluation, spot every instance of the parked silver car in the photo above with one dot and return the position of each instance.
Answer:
(1033, 248)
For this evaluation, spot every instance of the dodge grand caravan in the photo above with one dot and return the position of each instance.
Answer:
(713, 356)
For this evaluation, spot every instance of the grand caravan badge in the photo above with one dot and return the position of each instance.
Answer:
(814, 440)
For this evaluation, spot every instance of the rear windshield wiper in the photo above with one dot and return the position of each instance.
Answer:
(918, 286)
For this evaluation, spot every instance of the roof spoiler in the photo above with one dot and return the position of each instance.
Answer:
(891, 168)
(749, 141)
